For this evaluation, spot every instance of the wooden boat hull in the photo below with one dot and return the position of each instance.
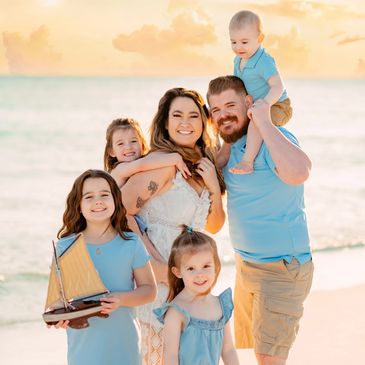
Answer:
(77, 316)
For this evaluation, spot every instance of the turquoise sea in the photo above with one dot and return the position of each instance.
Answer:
(52, 129)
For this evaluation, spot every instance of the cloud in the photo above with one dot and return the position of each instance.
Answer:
(32, 56)
(178, 46)
(336, 34)
(290, 51)
(350, 40)
(307, 9)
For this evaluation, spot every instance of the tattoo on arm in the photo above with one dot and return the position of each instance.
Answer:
(152, 187)
(140, 202)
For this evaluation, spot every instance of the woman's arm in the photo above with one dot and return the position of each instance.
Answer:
(145, 292)
(216, 217)
(173, 325)
(159, 265)
(229, 353)
(143, 186)
(154, 160)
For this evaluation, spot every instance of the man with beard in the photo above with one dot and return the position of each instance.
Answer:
(267, 223)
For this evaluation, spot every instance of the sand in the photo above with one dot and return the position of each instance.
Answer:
(332, 333)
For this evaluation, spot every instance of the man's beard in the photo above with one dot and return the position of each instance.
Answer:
(236, 134)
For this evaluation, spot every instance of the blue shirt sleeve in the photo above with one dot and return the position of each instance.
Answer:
(141, 257)
(267, 155)
(267, 66)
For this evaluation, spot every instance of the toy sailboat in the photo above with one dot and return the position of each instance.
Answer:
(73, 282)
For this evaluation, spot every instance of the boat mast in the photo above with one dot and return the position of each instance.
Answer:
(59, 278)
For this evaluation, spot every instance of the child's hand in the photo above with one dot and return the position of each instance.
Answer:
(60, 324)
(110, 303)
(181, 166)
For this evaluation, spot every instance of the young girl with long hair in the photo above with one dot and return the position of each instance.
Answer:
(196, 323)
(94, 208)
(126, 152)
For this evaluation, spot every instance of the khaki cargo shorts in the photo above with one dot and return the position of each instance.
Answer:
(268, 304)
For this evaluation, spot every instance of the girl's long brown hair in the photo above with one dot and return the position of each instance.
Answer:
(160, 139)
(189, 242)
(74, 222)
(121, 123)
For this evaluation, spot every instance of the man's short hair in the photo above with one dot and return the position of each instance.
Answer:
(223, 83)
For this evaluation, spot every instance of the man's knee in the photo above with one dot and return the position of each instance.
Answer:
(269, 360)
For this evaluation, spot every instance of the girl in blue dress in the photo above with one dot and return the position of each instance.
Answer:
(196, 323)
(94, 208)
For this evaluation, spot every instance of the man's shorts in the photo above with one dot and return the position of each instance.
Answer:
(268, 304)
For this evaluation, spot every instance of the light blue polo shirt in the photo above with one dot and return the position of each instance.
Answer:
(267, 220)
(256, 73)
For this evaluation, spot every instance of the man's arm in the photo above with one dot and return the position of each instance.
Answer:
(291, 163)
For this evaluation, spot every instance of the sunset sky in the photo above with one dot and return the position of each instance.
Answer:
(176, 37)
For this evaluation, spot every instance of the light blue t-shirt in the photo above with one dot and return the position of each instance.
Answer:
(114, 340)
(267, 220)
(256, 73)
(201, 341)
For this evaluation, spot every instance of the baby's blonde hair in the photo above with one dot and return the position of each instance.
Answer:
(245, 17)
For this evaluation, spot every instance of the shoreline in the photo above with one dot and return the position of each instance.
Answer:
(332, 331)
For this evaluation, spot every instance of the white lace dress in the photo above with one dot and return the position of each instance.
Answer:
(164, 215)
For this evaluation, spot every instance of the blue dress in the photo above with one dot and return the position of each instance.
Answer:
(114, 340)
(201, 341)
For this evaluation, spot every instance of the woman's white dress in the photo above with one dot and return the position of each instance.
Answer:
(164, 215)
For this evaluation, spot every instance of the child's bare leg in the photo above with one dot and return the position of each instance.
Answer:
(253, 145)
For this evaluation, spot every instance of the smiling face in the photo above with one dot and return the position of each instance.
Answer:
(97, 203)
(229, 114)
(126, 146)
(184, 125)
(245, 40)
(197, 270)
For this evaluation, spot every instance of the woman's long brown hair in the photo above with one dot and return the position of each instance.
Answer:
(160, 139)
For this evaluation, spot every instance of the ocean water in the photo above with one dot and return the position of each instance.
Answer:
(52, 129)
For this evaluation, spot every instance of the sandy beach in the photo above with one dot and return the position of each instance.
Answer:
(332, 332)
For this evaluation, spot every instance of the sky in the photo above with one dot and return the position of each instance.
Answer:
(318, 39)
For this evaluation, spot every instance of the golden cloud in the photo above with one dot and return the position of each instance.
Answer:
(350, 40)
(176, 45)
(290, 51)
(307, 9)
(33, 56)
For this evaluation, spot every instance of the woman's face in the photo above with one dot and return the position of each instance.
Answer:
(185, 125)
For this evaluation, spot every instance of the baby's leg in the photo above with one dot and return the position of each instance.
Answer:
(253, 145)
